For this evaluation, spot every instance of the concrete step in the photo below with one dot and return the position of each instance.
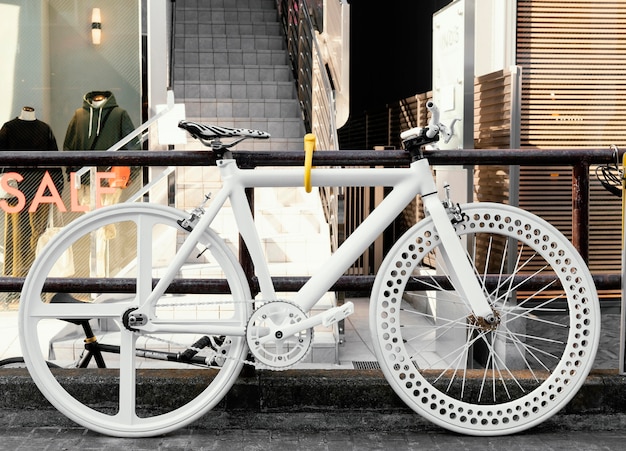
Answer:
(274, 108)
(234, 72)
(248, 90)
(190, 29)
(288, 249)
(231, 69)
(206, 57)
(300, 221)
(205, 14)
(189, 43)
(216, 4)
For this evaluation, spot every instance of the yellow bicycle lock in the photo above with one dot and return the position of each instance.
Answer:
(309, 148)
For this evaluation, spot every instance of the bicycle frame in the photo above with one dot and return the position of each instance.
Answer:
(406, 184)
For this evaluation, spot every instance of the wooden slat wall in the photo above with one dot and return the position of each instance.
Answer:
(492, 110)
(493, 105)
(573, 56)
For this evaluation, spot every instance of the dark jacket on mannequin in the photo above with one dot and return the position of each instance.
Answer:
(29, 135)
(22, 229)
(99, 126)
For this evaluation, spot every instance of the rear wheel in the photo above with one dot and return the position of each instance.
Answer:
(477, 378)
(134, 244)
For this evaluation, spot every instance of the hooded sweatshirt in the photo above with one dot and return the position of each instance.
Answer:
(99, 125)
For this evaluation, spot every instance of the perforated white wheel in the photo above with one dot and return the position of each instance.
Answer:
(135, 243)
(473, 378)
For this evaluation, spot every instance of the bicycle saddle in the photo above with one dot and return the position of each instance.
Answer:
(209, 132)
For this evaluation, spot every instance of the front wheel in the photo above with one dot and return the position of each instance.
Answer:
(134, 244)
(476, 378)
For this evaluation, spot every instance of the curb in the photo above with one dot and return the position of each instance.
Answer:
(313, 398)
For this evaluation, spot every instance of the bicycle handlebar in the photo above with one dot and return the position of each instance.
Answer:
(420, 136)
(433, 124)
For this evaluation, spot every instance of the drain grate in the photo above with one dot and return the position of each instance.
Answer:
(360, 365)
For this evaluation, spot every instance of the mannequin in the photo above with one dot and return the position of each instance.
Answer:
(98, 125)
(98, 100)
(28, 114)
(22, 229)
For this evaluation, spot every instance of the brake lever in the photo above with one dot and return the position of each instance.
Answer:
(447, 133)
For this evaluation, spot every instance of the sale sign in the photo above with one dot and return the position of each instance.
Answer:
(48, 193)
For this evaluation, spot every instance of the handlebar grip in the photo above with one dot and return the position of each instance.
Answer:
(433, 124)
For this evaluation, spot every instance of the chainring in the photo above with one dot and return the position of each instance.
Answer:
(266, 341)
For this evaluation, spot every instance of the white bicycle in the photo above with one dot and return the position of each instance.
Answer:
(484, 318)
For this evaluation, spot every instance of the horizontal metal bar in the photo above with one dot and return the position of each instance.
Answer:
(530, 157)
(606, 281)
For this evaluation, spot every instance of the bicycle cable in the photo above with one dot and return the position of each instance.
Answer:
(610, 175)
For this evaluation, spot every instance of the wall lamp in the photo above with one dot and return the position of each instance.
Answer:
(96, 26)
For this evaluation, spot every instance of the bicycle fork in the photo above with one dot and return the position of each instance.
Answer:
(454, 255)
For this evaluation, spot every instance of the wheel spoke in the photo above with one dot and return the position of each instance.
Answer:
(127, 394)
(144, 258)
(78, 311)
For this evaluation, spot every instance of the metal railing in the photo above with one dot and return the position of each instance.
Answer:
(578, 159)
(315, 91)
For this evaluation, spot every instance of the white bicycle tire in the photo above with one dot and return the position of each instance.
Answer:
(126, 423)
(400, 330)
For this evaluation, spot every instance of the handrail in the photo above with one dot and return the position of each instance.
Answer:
(351, 283)
(322, 98)
(579, 159)
(315, 91)
(260, 158)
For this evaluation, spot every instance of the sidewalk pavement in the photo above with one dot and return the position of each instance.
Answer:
(362, 431)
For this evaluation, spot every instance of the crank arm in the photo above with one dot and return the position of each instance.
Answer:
(325, 318)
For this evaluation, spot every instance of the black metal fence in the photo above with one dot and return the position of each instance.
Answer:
(579, 159)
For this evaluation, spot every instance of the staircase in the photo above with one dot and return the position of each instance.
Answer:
(231, 68)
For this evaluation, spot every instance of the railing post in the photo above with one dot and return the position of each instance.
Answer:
(244, 255)
(580, 208)
(622, 324)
